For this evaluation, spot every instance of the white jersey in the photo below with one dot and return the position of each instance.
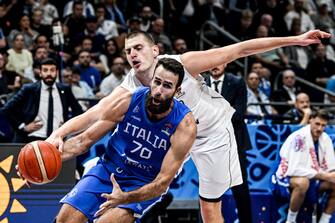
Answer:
(210, 110)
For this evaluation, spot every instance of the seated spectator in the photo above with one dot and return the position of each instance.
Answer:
(147, 16)
(107, 28)
(19, 59)
(36, 23)
(10, 81)
(88, 73)
(179, 46)
(301, 112)
(75, 21)
(257, 96)
(41, 107)
(264, 75)
(318, 71)
(87, 8)
(114, 79)
(157, 32)
(287, 92)
(110, 52)
(298, 56)
(50, 12)
(307, 167)
(275, 59)
(25, 29)
(80, 89)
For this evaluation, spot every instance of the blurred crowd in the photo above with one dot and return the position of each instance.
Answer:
(86, 38)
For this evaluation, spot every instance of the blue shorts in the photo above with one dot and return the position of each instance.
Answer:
(86, 195)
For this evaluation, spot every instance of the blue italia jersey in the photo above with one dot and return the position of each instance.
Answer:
(138, 145)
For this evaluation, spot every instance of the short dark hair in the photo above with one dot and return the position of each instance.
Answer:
(173, 66)
(146, 35)
(322, 114)
(48, 61)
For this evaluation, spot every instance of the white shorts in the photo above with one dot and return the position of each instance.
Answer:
(219, 168)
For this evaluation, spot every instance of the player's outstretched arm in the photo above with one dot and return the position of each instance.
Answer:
(81, 122)
(181, 143)
(110, 116)
(195, 63)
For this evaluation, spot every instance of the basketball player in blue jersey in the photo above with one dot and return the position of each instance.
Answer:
(153, 135)
(214, 152)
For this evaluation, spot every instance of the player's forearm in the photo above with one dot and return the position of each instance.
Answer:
(74, 147)
(149, 191)
(260, 45)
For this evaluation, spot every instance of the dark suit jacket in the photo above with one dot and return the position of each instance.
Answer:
(23, 106)
(281, 95)
(234, 91)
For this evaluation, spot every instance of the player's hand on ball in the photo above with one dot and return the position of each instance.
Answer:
(20, 175)
(56, 141)
(114, 199)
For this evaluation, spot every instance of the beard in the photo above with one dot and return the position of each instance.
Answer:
(157, 109)
(49, 81)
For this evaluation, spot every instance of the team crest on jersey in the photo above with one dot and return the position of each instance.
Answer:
(167, 129)
(136, 109)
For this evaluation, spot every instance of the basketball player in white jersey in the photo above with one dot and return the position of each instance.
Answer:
(214, 152)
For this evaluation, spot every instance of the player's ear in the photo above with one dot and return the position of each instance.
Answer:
(155, 50)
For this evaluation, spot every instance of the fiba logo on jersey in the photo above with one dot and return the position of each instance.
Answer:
(136, 109)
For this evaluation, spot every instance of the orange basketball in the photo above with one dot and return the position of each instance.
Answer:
(39, 162)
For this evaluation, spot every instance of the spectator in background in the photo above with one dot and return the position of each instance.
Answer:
(80, 89)
(50, 12)
(264, 77)
(114, 79)
(157, 32)
(257, 96)
(267, 20)
(241, 28)
(107, 28)
(25, 29)
(301, 112)
(234, 90)
(19, 59)
(75, 22)
(36, 23)
(147, 16)
(298, 56)
(9, 81)
(179, 46)
(287, 92)
(88, 73)
(39, 108)
(115, 14)
(275, 59)
(134, 24)
(110, 52)
(91, 31)
(318, 71)
(307, 167)
(87, 9)
(298, 11)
